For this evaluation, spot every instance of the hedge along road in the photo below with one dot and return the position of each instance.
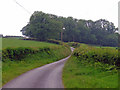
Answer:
(47, 76)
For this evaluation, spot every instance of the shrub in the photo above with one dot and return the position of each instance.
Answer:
(74, 44)
(54, 41)
(103, 55)
(21, 52)
(57, 42)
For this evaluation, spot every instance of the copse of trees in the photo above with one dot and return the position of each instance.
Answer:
(44, 26)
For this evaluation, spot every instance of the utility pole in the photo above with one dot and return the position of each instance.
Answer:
(62, 33)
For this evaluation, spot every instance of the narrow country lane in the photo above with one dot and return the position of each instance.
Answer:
(47, 76)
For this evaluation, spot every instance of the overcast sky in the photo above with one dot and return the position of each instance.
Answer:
(13, 17)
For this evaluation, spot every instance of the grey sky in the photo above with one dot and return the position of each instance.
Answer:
(13, 17)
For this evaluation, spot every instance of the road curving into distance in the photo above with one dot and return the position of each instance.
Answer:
(47, 76)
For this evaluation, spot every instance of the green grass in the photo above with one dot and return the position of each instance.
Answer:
(86, 68)
(78, 75)
(106, 47)
(12, 42)
(0, 44)
(12, 69)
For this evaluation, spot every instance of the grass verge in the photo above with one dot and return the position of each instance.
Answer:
(86, 68)
(77, 75)
(12, 69)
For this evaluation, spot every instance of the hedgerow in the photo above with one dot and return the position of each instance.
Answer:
(20, 52)
(57, 42)
(74, 44)
(95, 55)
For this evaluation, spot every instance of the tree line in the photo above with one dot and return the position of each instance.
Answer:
(43, 26)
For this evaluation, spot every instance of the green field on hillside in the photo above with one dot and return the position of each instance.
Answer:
(92, 67)
(12, 42)
(0, 44)
(18, 58)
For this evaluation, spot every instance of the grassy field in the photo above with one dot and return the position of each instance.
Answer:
(0, 43)
(13, 68)
(83, 71)
(12, 42)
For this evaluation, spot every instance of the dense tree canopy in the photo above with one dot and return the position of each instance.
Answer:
(47, 26)
(42, 26)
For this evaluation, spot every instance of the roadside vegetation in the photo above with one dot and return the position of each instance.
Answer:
(92, 67)
(20, 56)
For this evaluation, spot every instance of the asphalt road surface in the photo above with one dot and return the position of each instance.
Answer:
(47, 76)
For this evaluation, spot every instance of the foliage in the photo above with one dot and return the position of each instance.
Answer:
(21, 52)
(104, 55)
(13, 68)
(42, 26)
(23, 48)
(92, 67)
(19, 56)
(54, 41)
(78, 74)
(48, 26)
(58, 42)
(73, 44)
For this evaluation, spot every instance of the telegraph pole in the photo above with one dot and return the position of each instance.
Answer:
(62, 33)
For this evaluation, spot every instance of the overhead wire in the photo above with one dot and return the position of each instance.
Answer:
(22, 7)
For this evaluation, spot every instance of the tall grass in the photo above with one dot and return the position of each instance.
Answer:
(91, 67)
(103, 55)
